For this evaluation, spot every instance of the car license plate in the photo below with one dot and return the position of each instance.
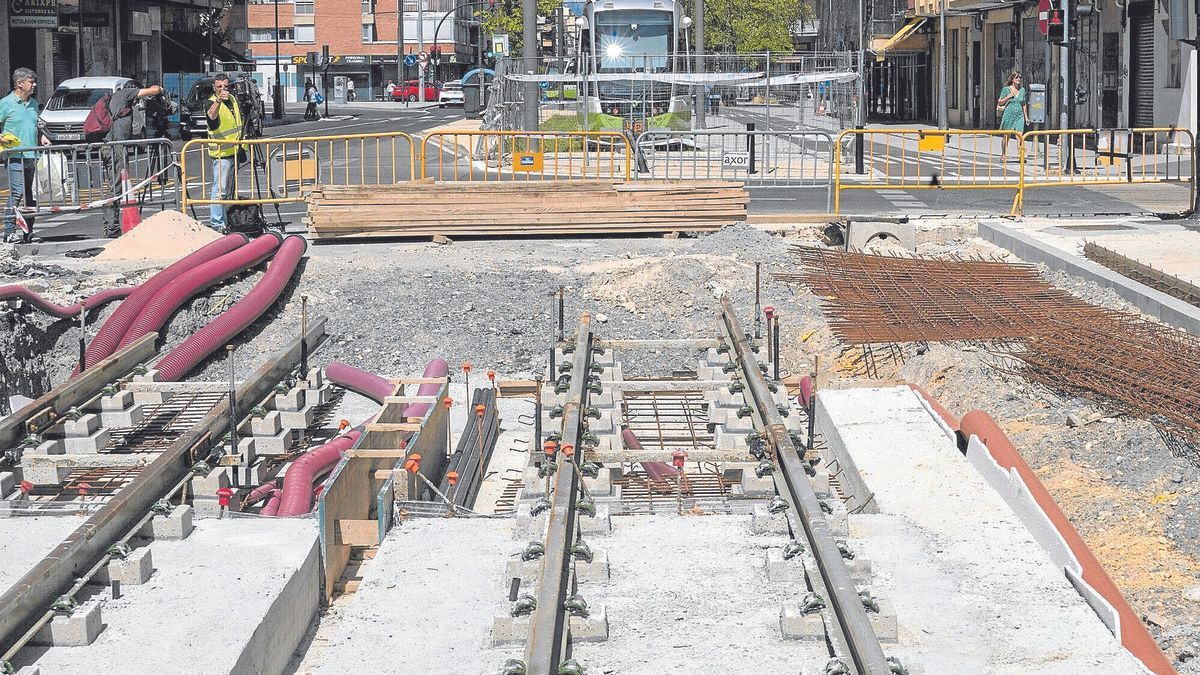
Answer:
(70, 137)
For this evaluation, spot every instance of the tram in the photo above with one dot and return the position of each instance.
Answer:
(643, 39)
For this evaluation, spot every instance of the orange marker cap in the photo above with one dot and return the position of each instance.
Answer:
(568, 450)
(480, 409)
(452, 477)
(466, 366)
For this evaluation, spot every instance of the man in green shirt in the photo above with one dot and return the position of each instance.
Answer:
(19, 121)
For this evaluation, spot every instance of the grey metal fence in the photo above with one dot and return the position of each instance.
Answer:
(73, 179)
(801, 159)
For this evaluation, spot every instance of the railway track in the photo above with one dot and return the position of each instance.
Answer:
(675, 424)
(178, 438)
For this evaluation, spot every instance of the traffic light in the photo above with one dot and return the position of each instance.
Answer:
(1055, 25)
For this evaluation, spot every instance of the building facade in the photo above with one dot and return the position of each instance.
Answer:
(1131, 67)
(360, 35)
(61, 39)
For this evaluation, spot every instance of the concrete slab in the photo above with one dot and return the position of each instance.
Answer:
(25, 540)
(1061, 255)
(688, 594)
(427, 601)
(972, 590)
(247, 588)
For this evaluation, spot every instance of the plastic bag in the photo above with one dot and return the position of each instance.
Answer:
(52, 181)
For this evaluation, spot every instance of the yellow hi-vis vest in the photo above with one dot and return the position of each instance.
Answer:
(229, 128)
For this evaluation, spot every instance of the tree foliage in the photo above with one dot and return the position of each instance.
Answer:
(743, 26)
(506, 17)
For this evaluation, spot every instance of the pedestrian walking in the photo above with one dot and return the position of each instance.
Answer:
(120, 109)
(311, 95)
(1012, 108)
(19, 128)
(351, 93)
(389, 90)
(224, 124)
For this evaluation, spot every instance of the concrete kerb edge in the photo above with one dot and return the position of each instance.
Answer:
(1170, 310)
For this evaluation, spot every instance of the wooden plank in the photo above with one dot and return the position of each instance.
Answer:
(379, 453)
(409, 399)
(516, 388)
(419, 380)
(385, 474)
(394, 426)
(356, 532)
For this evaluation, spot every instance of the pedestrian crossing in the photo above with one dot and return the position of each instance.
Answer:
(905, 202)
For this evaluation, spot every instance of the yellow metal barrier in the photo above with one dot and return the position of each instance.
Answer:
(284, 170)
(526, 155)
(1086, 157)
(924, 159)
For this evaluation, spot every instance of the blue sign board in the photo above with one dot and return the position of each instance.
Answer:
(410, 60)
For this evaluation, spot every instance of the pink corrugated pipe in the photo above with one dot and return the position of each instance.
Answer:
(272, 506)
(260, 493)
(117, 324)
(234, 320)
(297, 495)
(159, 309)
(359, 381)
(63, 312)
(436, 368)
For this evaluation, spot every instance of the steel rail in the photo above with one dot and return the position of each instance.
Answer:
(863, 645)
(26, 601)
(549, 627)
(52, 405)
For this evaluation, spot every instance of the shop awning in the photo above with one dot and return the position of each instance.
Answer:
(908, 29)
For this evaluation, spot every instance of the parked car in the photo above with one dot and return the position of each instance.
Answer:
(193, 114)
(452, 94)
(63, 116)
(411, 91)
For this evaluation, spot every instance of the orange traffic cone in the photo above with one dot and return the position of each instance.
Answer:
(131, 215)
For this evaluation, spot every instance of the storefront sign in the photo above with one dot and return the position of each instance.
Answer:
(33, 13)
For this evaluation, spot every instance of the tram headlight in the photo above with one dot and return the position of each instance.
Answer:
(613, 50)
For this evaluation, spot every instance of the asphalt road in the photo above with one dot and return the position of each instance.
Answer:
(371, 162)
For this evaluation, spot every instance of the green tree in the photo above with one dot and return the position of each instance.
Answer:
(506, 17)
(744, 26)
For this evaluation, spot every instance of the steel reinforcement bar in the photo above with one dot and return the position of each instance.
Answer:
(1142, 273)
(549, 642)
(25, 604)
(855, 629)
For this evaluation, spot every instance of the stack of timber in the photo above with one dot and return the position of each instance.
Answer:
(425, 208)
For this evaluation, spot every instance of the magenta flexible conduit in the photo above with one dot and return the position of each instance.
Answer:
(435, 368)
(59, 311)
(159, 309)
(117, 324)
(297, 496)
(359, 381)
(220, 330)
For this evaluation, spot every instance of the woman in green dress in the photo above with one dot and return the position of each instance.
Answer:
(1013, 109)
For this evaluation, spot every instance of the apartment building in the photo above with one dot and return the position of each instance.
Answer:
(361, 37)
(61, 39)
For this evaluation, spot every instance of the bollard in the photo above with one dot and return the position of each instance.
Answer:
(858, 150)
(750, 144)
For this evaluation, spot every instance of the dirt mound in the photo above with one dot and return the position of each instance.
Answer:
(166, 235)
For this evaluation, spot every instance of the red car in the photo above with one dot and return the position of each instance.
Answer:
(411, 91)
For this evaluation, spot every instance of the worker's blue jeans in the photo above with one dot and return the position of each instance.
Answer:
(222, 172)
(20, 192)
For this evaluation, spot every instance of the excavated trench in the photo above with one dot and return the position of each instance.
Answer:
(30, 350)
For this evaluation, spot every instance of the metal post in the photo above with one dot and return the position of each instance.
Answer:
(277, 90)
(812, 404)
(421, 48)
(768, 95)
(698, 22)
(303, 332)
(944, 112)
(1069, 96)
(758, 300)
(560, 313)
(750, 145)
(400, 42)
(233, 416)
(537, 411)
(82, 338)
(775, 351)
(529, 52)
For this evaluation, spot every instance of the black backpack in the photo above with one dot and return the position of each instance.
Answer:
(245, 219)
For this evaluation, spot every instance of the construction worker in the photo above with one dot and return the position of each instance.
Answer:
(19, 128)
(121, 108)
(224, 124)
